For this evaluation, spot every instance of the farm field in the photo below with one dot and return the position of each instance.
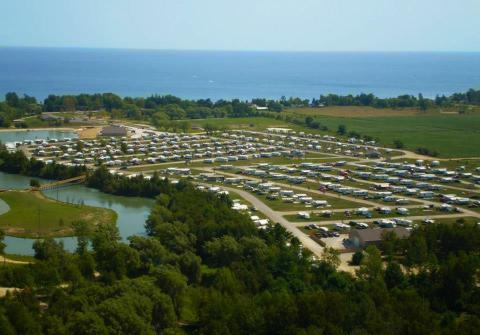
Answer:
(31, 214)
(367, 111)
(354, 111)
(451, 135)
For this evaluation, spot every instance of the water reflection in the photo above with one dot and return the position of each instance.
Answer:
(132, 212)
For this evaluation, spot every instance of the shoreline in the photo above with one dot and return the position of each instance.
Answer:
(19, 231)
(82, 132)
(62, 129)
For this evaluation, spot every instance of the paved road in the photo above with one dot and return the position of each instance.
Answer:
(277, 217)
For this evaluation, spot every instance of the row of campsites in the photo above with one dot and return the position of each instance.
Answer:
(391, 171)
(155, 147)
(399, 191)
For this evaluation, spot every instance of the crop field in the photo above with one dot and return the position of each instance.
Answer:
(33, 215)
(451, 135)
(366, 111)
(354, 111)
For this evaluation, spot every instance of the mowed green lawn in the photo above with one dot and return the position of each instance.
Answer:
(451, 135)
(33, 215)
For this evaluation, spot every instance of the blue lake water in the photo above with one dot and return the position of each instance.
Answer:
(216, 74)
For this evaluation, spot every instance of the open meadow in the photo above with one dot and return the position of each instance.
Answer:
(32, 214)
(450, 135)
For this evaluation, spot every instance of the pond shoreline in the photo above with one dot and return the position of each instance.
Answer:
(20, 225)
(64, 129)
(132, 212)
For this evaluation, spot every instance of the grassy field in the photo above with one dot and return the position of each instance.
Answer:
(355, 111)
(451, 135)
(33, 215)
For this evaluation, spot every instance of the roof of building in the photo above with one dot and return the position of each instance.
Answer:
(114, 131)
(50, 117)
(375, 234)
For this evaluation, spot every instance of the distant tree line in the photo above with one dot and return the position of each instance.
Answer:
(15, 107)
(162, 108)
(177, 108)
(471, 97)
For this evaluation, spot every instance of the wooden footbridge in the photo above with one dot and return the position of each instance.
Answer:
(62, 183)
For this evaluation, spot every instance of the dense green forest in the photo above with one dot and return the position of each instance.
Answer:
(161, 109)
(16, 107)
(205, 269)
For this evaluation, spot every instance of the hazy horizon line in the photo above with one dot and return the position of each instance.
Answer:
(232, 50)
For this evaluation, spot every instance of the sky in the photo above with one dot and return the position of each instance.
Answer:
(286, 25)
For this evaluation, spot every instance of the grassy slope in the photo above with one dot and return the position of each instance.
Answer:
(33, 215)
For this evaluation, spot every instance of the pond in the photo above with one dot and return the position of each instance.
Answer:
(9, 136)
(132, 212)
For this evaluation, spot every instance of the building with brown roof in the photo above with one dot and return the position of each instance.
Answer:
(113, 131)
(365, 237)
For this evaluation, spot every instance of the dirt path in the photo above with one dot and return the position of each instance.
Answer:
(4, 290)
(11, 261)
(89, 132)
